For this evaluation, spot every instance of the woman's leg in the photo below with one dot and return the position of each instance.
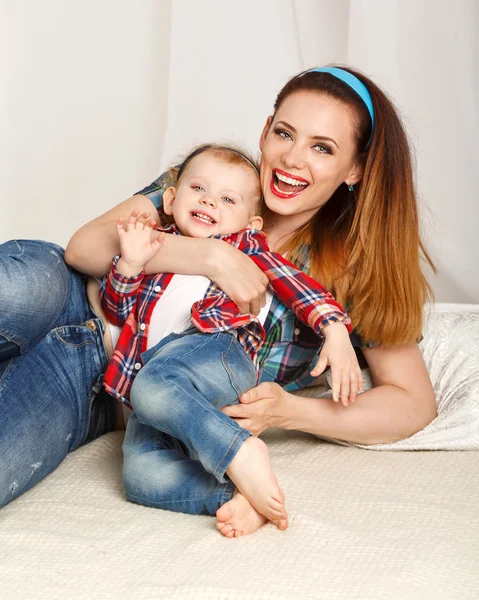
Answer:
(51, 368)
(35, 294)
(158, 472)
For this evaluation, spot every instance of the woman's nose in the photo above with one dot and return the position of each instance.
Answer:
(293, 157)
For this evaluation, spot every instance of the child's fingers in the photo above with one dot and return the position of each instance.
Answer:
(130, 224)
(157, 243)
(141, 220)
(150, 223)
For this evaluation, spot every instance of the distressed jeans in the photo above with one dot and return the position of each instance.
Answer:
(52, 360)
(178, 444)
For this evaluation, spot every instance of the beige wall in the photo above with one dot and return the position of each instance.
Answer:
(99, 96)
(84, 109)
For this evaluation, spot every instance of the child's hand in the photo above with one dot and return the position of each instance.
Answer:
(338, 353)
(138, 241)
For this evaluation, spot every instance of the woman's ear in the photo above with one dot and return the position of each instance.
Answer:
(355, 175)
(169, 196)
(265, 132)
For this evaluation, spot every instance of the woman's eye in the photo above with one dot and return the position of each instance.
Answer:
(228, 200)
(322, 149)
(197, 188)
(282, 133)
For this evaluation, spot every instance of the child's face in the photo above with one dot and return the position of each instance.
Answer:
(214, 197)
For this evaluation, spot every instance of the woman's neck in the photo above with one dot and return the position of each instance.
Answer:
(280, 229)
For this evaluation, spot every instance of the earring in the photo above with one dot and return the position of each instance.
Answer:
(351, 187)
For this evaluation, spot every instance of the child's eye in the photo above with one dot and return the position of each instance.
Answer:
(197, 188)
(283, 133)
(228, 200)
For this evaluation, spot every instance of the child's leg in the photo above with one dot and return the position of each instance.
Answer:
(181, 388)
(158, 472)
(179, 392)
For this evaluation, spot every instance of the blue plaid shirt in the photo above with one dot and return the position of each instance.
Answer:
(291, 348)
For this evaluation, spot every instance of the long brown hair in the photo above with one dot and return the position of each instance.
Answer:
(365, 245)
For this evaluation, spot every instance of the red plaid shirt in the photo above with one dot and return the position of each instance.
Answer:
(129, 303)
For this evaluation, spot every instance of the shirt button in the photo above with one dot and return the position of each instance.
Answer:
(297, 331)
(157, 288)
(143, 327)
(137, 366)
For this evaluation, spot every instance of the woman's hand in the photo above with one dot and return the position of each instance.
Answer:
(260, 408)
(238, 276)
(338, 353)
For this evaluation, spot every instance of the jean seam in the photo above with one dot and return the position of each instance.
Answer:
(170, 358)
(219, 468)
(8, 336)
(225, 491)
(229, 371)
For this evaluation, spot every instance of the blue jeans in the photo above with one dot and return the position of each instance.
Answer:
(52, 360)
(178, 443)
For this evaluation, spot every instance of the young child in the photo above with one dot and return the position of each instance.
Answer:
(185, 351)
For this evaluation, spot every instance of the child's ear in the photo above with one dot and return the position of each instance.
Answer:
(255, 222)
(169, 196)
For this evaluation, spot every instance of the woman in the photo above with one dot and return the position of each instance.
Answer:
(337, 181)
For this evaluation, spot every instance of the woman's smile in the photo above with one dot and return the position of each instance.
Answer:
(285, 185)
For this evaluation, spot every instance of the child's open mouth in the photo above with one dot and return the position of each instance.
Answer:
(286, 185)
(203, 218)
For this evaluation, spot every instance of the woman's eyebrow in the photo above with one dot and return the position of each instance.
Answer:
(320, 138)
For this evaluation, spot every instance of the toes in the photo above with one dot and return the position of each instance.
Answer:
(226, 529)
(230, 534)
(276, 511)
(282, 524)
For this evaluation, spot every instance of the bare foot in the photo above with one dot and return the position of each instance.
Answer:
(237, 517)
(251, 472)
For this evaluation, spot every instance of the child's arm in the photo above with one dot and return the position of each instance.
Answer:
(317, 308)
(119, 289)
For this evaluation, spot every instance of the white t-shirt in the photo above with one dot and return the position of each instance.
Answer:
(172, 312)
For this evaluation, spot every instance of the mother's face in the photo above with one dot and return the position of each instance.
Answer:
(308, 149)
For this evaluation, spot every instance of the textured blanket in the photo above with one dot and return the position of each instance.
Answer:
(363, 525)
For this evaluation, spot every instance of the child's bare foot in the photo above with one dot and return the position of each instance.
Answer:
(237, 517)
(251, 472)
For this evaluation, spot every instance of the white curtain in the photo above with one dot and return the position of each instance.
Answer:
(100, 96)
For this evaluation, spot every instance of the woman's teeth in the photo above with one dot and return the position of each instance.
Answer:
(203, 218)
(289, 180)
(287, 185)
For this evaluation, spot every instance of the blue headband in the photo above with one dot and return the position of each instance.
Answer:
(355, 84)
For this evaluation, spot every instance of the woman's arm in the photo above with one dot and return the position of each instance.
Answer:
(402, 403)
(93, 246)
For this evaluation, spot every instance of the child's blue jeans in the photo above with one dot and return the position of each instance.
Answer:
(178, 443)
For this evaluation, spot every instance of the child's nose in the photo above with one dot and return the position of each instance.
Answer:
(208, 201)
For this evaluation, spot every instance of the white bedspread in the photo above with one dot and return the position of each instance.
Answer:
(363, 525)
